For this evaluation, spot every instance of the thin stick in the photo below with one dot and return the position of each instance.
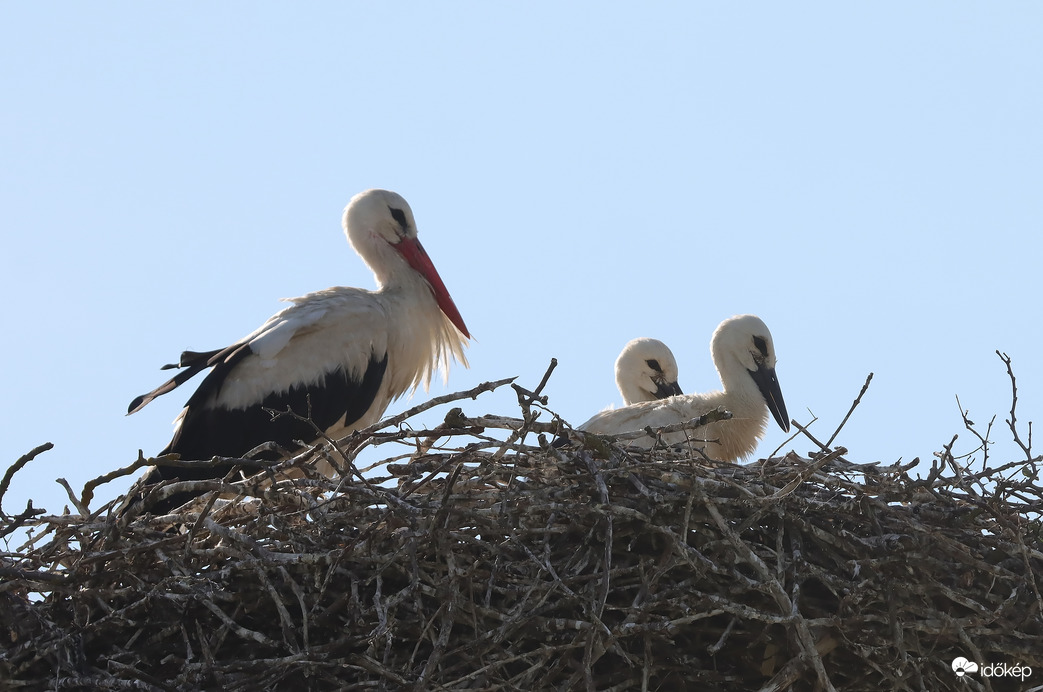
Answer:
(714, 416)
(851, 410)
(5, 482)
(431, 403)
(1027, 449)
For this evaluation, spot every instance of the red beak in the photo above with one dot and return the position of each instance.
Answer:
(416, 256)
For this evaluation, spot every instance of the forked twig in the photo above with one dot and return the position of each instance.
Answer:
(1012, 421)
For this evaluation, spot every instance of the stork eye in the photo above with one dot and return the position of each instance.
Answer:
(399, 216)
(761, 345)
(654, 364)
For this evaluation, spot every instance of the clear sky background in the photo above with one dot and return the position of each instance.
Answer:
(868, 178)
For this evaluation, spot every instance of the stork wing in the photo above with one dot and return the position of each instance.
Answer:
(269, 339)
(195, 361)
(324, 358)
(337, 397)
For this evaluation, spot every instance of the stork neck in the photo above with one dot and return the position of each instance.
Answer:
(402, 281)
(742, 392)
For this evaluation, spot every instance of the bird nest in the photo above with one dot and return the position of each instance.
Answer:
(481, 555)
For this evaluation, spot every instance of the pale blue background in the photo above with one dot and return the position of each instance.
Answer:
(868, 178)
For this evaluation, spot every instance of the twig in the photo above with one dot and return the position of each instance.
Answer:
(714, 416)
(534, 396)
(5, 482)
(969, 425)
(80, 507)
(18, 521)
(1012, 422)
(811, 437)
(794, 436)
(807, 472)
(851, 410)
(431, 403)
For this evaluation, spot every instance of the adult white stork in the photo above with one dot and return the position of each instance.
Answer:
(646, 371)
(744, 354)
(337, 356)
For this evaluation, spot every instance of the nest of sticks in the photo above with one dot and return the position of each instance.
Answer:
(480, 555)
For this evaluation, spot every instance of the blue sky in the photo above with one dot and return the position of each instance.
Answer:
(865, 177)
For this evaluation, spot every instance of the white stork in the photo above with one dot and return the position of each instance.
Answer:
(338, 356)
(646, 371)
(744, 355)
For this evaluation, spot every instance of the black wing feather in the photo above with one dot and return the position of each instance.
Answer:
(190, 358)
(196, 362)
(206, 431)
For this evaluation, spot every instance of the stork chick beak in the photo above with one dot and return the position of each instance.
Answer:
(665, 389)
(413, 252)
(768, 383)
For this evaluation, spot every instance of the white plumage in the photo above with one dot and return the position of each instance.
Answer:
(339, 356)
(646, 371)
(744, 355)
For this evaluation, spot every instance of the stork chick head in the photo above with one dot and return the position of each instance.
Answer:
(646, 371)
(743, 350)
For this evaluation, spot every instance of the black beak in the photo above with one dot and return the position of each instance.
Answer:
(665, 389)
(768, 383)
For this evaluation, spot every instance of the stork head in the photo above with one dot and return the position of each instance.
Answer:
(646, 371)
(742, 347)
(380, 226)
